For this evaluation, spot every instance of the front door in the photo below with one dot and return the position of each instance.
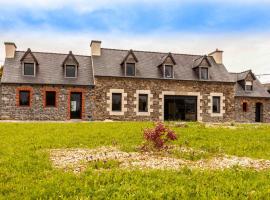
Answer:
(75, 105)
(258, 112)
(180, 108)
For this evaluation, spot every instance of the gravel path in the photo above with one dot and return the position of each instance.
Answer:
(77, 159)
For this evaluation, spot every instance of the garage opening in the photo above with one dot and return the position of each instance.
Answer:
(182, 108)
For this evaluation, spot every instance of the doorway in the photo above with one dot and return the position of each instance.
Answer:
(75, 105)
(180, 108)
(258, 112)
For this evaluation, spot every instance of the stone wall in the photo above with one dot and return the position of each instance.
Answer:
(101, 97)
(249, 115)
(10, 110)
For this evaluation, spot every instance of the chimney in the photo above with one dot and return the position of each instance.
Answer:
(95, 48)
(217, 55)
(10, 48)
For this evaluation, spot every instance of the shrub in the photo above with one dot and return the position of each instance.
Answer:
(158, 137)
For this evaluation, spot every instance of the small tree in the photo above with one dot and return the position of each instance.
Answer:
(157, 138)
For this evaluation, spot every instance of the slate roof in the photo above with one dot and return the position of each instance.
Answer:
(49, 70)
(258, 89)
(109, 64)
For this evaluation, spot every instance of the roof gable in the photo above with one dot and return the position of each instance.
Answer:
(70, 59)
(130, 57)
(28, 55)
(246, 75)
(203, 61)
(168, 59)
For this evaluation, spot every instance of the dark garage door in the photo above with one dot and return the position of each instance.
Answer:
(180, 108)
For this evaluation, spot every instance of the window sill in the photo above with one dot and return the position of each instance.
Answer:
(116, 113)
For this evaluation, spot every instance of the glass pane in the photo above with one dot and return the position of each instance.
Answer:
(168, 71)
(143, 103)
(130, 69)
(24, 98)
(216, 104)
(204, 73)
(116, 102)
(50, 98)
(29, 69)
(248, 87)
(70, 71)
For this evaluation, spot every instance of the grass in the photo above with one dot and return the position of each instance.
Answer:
(26, 172)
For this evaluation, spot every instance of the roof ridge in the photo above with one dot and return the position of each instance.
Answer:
(152, 52)
(44, 52)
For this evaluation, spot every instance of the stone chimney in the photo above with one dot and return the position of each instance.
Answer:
(10, 48)
(217, 55)
(95, 48)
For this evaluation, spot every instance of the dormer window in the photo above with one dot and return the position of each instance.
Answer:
(249, 86)
(130, 69)
(29, 69)
(204, 73)
(168, 71)
(71, 71)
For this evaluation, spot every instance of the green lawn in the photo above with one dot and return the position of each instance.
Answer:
(26, 172)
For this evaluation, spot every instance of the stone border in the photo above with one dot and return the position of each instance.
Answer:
(149, 102)
(197, 94)
(79, 90)
(222, 104)
(124, 102)
(43, 94)
(24, 88)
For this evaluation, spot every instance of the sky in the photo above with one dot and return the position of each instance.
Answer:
(240, 28)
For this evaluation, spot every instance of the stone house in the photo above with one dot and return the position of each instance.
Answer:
(114, 84)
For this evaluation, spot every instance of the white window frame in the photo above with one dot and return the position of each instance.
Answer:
(126, 68)
(248, 83)
(200, 71)
(222, 104)
(149, 103)
(76, 71)
(34, 69)
(164, 67)
(124, 102)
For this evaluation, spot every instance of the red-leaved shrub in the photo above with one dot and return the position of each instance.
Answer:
(158, 137)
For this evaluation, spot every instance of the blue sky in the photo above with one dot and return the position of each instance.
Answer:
(237, 27)
(138, 17)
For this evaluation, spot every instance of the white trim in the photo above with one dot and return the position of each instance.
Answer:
(222, 104)
(164, 66)
(197, 94)
(149, 102)
(126, 69)
(124, 102)
(76, 71)
(34, 69)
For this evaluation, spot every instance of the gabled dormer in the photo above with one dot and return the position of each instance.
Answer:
(246, 80)
(201, 67)
(129, 64)
(167, 66)
(70, 66)
(29, 64)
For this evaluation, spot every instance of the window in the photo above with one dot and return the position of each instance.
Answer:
(50, 98)
(204, 73)
(244, 107)
(24, 98)
(216, 105)
(249, 85)
(71, 71)
(130, 69)
(168, 71)
(143, 102)
(29, 69)
(116, 102)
